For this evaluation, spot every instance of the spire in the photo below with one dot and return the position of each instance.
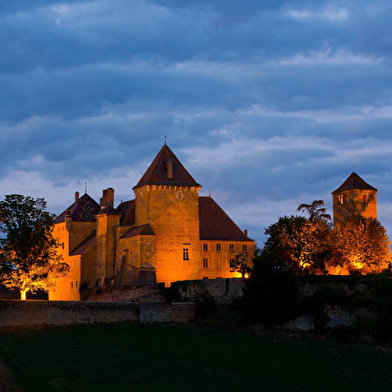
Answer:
(166, 169)
(354, 181)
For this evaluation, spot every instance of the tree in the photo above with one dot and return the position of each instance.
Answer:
(299, 243)
(360, 245)
(240, 264)
(315, 210)
(28, 258)
(270, 294)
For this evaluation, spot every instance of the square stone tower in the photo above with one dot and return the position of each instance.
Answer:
(354, 197)
(166, 197)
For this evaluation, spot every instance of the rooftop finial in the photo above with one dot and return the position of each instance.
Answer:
(165, 140)
(85, 187)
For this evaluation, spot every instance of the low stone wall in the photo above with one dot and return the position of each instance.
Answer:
(131, 293)
(32, 313)
(223, 290)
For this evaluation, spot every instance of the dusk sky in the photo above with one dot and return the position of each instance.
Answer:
(268, 104)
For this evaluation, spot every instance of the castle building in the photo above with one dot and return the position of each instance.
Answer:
(354, 196)
(167, 233)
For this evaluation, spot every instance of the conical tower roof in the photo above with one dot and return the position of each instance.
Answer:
(354, 182)
(166, 169)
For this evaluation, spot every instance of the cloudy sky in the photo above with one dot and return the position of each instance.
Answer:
(268, 104)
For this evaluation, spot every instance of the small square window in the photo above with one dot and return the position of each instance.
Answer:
(205, 246)
(244, 248)
(340, 199)
(218, 247)
(205, 263)
(231, 247)
(185, 254)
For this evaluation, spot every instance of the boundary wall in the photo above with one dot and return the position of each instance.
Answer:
(15, 313)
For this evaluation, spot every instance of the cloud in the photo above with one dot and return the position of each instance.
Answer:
(268, 104)
(328, 57)
(333, 15)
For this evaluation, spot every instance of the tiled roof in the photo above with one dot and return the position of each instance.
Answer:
(159, 171)
(215, 224)
(139, 230)
(354, 182)
(127, 210)
(108, 211)
(84, 245)
(83, 210)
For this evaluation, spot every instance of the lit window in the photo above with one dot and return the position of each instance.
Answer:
(231, 247)
(71, 284)
(244, 248)
(205, 246)
(205, 263)
(185, 253)
(218, 247)
(340, 199)
(232, 263)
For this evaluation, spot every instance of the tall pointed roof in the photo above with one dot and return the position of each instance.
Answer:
(354, 182)
(166, 169)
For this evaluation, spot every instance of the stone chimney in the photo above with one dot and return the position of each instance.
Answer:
(76, 196)
(246, 232)
(68, 220)
(107, 199)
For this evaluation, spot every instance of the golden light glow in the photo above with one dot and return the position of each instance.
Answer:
(356, 263)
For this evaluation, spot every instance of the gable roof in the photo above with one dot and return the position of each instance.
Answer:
(84, 245)
(354, 182)
(83, 210)
(127, 210)
(215, 224)
(139, 230)
(157, 173)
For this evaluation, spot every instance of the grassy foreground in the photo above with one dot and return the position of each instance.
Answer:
(136, 357)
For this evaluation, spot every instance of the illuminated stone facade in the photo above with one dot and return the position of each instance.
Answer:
(166, 234)
(354, 196)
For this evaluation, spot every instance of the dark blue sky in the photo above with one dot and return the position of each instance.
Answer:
(269, 104)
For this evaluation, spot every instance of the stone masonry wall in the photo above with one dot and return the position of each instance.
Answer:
(223, 290)
(32, 313)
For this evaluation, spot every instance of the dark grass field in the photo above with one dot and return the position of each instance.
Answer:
(139, 357)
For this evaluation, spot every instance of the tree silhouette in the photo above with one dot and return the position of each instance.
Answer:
(316, 211)
(28, 257)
